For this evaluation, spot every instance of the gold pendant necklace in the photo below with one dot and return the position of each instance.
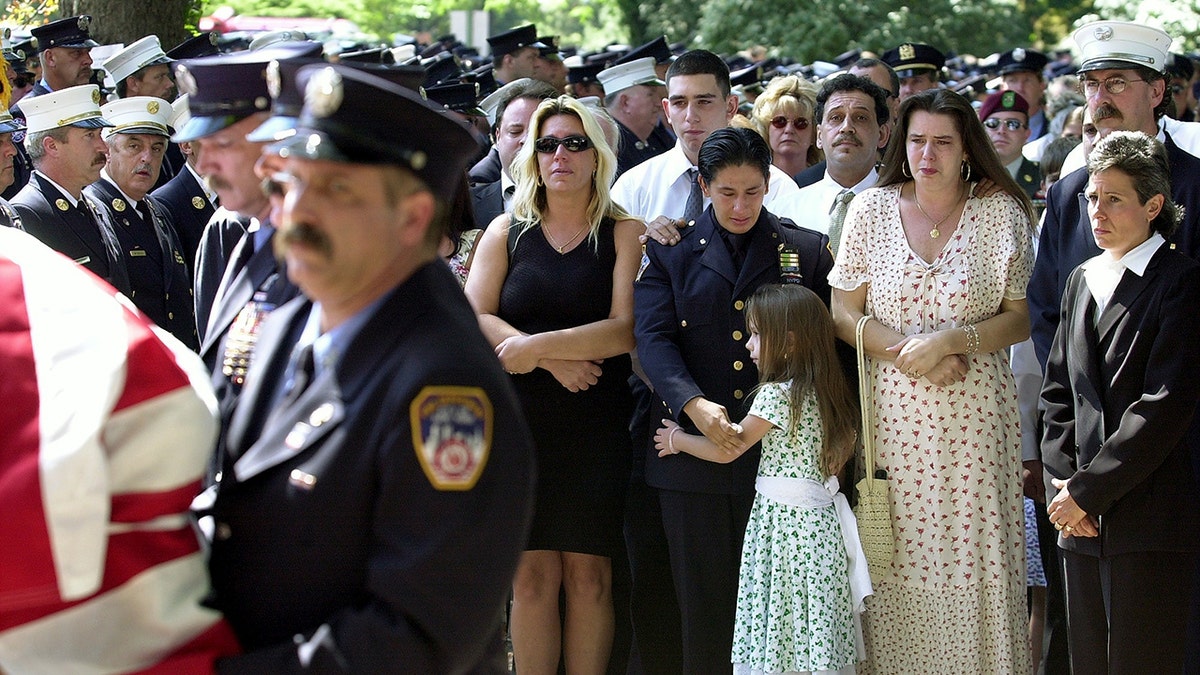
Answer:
(566, 243)
(935, 232)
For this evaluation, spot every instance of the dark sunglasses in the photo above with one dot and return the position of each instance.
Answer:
(549, 144)
(801, 123)
(1011, 125)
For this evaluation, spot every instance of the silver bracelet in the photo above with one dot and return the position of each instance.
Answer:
(972, 338)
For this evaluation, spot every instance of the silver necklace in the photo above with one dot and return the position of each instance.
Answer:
(566, 243)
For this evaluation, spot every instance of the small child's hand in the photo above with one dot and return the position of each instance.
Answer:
(662, 439)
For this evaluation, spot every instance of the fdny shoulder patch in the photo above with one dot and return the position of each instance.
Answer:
(452, 434)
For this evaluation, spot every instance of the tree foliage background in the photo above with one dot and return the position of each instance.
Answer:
(804, 30)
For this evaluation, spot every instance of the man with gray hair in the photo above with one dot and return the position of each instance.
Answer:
(63, 140)
(160, 283)
(633, 96)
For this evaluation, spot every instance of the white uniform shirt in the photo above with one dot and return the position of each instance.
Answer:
(659, 186)
(812, 205)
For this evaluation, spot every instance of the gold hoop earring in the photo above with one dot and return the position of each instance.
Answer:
(904, 170)
(966, 171)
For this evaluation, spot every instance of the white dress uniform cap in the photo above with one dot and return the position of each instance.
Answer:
(632, 73)
(180, 113)
(1121, 44)
(491, 102)
(137, 115)
(145, 52)
(71, 107)
(275, 37)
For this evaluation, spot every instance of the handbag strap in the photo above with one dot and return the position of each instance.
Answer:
(865, 398)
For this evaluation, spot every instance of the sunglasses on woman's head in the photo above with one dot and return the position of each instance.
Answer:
(801, 123)
(549, 144)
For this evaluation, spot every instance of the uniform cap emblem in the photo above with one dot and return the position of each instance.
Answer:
(1103, 33)
(323, 95)
(907, 52)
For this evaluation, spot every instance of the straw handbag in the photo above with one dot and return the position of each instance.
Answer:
(874, 510)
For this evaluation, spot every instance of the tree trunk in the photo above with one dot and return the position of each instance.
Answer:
(128, 20)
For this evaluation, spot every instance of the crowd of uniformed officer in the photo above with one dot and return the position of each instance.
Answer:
(368, 499)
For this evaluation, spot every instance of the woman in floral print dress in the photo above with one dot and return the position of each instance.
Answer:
(943, 274)
(797, 605)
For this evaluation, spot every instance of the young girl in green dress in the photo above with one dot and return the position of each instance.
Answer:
(802, 576)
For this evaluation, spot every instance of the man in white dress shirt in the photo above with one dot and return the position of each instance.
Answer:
(853, 127)
(698, 103)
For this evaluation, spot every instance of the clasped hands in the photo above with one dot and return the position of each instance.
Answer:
(1066, 515)
(925, 356)
(517, 355)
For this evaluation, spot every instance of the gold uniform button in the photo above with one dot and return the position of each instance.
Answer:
(170, 315)
(738, 305)
(737, 335)
(683, 324)
(737, 393)
(737, 365)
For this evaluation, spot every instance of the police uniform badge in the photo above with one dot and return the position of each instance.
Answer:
(907, 52)
(452, 434)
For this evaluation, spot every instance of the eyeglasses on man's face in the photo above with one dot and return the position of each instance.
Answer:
(1113, 85)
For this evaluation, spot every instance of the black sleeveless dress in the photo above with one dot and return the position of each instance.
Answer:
(582, 438)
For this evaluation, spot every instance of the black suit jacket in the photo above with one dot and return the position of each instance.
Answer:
(488, 202)
(812, 174)
(338, 513)
(1029, 177)
(1120, 401)
(159, 280)
(691, 333)
(185, 203)
(486, 170)
(1066, 239)
(88, 240)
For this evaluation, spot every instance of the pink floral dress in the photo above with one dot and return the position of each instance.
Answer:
(955, 598)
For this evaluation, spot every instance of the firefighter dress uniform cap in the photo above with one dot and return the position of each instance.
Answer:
(913, 58)
(137, 115)
(199, 46)
(70, 33)
(1117, 45)
(1022, 60)
(71, 107)
(180, 113)
(287, 100)
(275, 37)
(353, 117)
(226, 89)
(145, 52)
(512, 40)
(629, 74)
(1003, 101)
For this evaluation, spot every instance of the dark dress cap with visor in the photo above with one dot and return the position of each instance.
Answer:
(227, 88)
(70, 33)
(352, 117)
(512, 40)
(1022, 60)
(913, 58)
(197, 47)
(287, 99)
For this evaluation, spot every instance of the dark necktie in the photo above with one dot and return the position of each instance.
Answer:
(837, 219)
(695, 201)
(304, 369)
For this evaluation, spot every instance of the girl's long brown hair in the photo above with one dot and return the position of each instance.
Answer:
(808, 361)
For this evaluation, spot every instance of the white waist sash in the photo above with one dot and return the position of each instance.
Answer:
(806, 493)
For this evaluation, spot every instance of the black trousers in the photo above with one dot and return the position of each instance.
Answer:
(704, 539)
(1128, 613)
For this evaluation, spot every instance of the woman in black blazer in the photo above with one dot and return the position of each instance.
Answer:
(1122, 385)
